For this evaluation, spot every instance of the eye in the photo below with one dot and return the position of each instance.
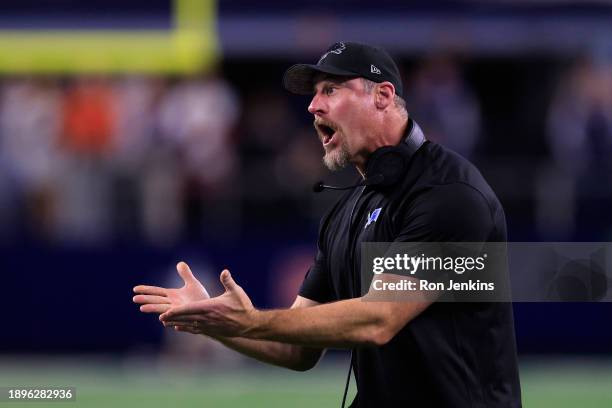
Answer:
(329, 90)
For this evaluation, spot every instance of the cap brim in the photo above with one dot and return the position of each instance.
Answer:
(299, 79)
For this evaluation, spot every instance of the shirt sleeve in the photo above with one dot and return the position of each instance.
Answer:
(444, 215)
(317, 283)
(454, 212)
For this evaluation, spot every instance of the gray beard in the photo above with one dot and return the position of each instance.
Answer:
(338, 158)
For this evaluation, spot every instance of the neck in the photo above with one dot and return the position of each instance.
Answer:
(392, 132)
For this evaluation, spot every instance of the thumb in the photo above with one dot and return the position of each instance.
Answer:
(228, 282)
(185, 272)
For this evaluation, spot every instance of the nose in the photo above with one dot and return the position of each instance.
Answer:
(316, 105)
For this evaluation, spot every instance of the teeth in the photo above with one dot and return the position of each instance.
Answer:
(326, 131)
(327, 139)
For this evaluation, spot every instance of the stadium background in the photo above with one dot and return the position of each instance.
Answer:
(136, 134)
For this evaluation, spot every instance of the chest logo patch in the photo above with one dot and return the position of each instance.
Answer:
(372, 217)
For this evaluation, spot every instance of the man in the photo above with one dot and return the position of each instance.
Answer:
(418, 353)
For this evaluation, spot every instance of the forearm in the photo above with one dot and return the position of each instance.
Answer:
(294, 357)
(345, 324)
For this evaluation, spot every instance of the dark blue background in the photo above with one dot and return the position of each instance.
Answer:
(63, 300)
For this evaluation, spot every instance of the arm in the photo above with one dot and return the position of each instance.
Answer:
(450, 213)
(291, 356)
(158, 300)
(348, 323)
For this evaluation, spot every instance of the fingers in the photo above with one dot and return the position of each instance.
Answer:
(185, 324)
(185, 272)
(188, 309)
(155, 308)
(150, 290)
(226, 279)
(146, 299)
(186, 330)
(190, 318)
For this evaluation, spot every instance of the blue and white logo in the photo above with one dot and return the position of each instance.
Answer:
(372, 217)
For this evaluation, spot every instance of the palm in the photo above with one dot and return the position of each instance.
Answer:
(191, 292)
(226, 315)
(155, 299)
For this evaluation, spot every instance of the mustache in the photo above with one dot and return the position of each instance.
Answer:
(317, 123)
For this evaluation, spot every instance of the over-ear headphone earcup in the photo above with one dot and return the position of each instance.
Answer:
(390, 162)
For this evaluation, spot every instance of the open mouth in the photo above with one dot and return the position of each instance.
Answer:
(326, 133)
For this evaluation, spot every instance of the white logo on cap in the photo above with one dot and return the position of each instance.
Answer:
(374, 70)
(338, 50)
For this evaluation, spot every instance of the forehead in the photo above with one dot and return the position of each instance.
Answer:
(323, 79)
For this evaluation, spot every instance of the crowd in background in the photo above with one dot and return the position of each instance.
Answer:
(94, 159)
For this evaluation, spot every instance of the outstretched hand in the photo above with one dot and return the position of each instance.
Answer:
(231, 314)
(154, 299)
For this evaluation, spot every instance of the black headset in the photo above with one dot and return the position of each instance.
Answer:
(388, 164)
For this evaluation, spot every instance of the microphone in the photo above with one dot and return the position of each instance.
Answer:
(370, 181)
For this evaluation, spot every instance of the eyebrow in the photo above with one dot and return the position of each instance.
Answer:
(327, 80)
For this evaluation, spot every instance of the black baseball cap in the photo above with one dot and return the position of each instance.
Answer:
(346, 59)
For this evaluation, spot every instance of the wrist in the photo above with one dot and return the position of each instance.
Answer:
(256, 320)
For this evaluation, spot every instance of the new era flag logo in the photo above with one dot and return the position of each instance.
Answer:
(374, 70)
(372, 217)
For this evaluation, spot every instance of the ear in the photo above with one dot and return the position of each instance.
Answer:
(384, 94)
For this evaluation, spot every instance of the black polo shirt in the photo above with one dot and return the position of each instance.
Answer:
(453, 354)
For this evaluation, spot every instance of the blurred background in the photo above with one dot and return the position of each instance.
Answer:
(137, 134)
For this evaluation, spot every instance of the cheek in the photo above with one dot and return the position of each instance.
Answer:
(352, 117)
(357, 127)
